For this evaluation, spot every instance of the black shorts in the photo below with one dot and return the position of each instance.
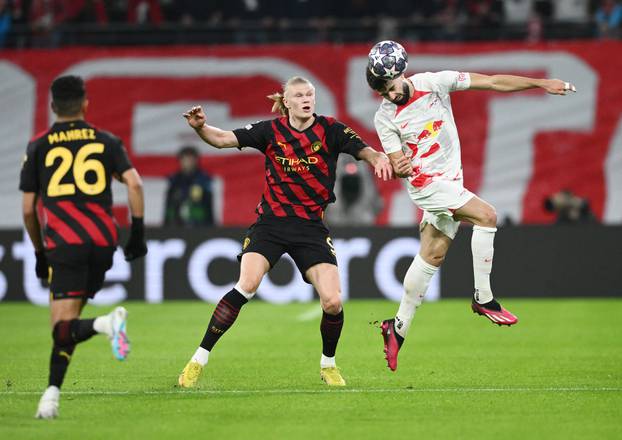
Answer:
(78, 271)
(306, 241)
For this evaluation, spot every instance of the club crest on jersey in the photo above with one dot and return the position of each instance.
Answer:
(316, 146)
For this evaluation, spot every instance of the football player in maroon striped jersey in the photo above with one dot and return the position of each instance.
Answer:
(69, 167)
(301, 150)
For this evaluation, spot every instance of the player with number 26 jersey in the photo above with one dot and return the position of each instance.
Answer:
(71, 166)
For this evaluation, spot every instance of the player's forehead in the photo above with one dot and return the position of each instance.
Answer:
(392, 85)
(301, 88)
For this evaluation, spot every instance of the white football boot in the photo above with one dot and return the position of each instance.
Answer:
(48, 405)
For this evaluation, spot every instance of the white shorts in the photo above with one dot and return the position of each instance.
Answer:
(439, 200)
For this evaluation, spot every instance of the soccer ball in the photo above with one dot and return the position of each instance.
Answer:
(387, 59)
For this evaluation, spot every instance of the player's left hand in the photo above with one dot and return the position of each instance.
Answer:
(42, 269)
(558, 87)
(383, 168)
(135, 247)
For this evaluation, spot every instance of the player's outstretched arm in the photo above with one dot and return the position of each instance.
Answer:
(135, 247)
(380, 162)
(212, 135)
(512, 83)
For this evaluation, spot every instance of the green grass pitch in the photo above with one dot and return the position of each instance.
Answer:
(557, 374)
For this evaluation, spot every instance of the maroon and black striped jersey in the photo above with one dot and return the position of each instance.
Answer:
(71, 166)
(300, 165)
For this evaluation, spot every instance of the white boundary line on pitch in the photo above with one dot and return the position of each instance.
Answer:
(300, 391)
(311, 314)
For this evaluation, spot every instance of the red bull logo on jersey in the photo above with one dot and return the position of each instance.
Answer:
(430, 130)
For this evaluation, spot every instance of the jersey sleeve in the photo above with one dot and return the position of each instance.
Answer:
(387, 133)
(120, 160)
(255, 135)
(347, 140)
(28, 179)
(446, 81)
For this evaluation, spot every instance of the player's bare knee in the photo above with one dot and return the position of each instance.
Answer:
(249, 284)
(489, 217)
(434, 255)
(437, 259)
(332, 306)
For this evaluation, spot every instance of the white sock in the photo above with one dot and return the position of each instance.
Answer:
(201, 356)
(416, 284)
(247, 295)
(103, 324)
(327, 362)
(483, 251)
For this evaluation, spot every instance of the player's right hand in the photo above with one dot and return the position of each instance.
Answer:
(42, 269)
(402, 166)
(196, 117)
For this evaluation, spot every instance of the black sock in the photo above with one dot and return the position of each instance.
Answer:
(492, 305)
(330, 327)
(59, 361)
(72, 332)
(224, 316)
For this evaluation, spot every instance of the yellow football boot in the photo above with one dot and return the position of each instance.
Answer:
(190, 376)
(332, 377)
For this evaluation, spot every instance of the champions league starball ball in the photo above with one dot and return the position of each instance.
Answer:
(387, 59)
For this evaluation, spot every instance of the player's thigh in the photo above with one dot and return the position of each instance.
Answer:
(309, 245)
(100, 262)
(478, 212)
(65, 309)
(253, 267)
(264, 238)
(325, 279)
(69, 271)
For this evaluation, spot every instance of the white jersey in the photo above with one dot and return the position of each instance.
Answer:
(424, 128)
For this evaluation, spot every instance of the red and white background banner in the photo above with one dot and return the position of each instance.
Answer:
(517, 149)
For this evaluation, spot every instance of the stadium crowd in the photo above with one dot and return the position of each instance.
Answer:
(52, 23)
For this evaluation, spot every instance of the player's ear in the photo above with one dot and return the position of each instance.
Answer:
(53, 107)
(85, 106)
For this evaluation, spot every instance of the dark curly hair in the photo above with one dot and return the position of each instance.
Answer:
(375, 82)
(68, 93)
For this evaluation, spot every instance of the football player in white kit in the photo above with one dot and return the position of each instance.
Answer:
(416, 127)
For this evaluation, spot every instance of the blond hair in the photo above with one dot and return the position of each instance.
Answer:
(279, 106)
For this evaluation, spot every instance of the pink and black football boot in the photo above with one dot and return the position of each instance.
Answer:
(392, 343)
(495, 312)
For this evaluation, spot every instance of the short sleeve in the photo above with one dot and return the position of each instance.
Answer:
(348, 141)
(28, 179)
(388, 135)
(120, 160)
(255, 135)
(446, 81)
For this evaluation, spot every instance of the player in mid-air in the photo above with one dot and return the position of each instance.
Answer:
(301, 150)
(416, 127)
(69, 168)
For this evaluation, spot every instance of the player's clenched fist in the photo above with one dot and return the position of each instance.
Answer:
(195, 117)
(558, 87)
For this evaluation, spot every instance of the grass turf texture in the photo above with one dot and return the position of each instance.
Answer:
(557, 374)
